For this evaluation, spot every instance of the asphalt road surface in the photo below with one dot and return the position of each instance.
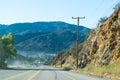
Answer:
(42, 73)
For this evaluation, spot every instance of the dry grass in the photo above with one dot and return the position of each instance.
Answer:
(112, 70)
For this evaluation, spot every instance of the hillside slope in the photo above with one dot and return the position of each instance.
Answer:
(102, 46)
(47, 37)
(46, 42)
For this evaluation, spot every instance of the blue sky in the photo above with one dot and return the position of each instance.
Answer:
(15, 11)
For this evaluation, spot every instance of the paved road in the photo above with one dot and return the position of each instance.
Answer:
(42, 73)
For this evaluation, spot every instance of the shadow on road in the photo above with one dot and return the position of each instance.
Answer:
(35, 69)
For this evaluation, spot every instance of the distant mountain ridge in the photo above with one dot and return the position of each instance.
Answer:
(46, 37)
(24, 28)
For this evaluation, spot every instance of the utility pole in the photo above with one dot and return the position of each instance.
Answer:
(60, 45)
(77, 37)
(61, 59)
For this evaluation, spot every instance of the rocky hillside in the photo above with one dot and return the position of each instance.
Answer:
(102, 46)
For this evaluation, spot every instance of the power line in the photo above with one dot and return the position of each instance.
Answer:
(111, 7)
(106, 11)
(99, 7)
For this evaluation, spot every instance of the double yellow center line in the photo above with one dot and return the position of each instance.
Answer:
(33, 76)
(23, 74)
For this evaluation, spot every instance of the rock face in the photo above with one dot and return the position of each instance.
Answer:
(103, 44)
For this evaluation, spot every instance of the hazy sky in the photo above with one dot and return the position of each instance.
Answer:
(15, 11)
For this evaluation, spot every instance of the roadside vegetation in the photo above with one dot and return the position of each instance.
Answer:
(110, 71)
(7, 49)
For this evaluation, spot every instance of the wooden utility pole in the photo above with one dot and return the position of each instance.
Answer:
(61, 60)
(77, 37)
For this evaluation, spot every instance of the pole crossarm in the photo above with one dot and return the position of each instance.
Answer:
(78, 17)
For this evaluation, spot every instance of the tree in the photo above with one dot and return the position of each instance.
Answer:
(7, 49)
(103, 19)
